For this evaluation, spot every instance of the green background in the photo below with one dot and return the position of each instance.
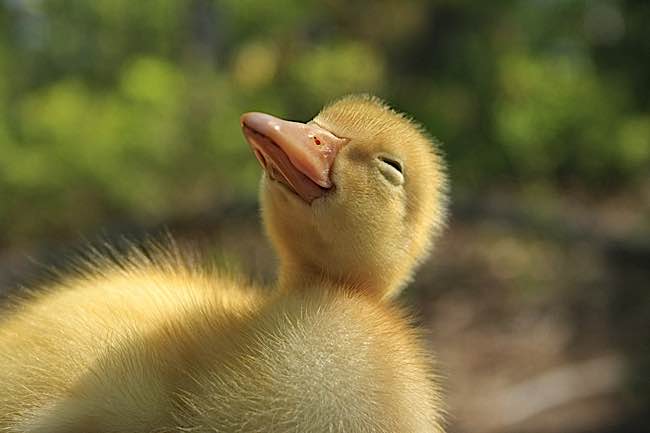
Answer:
(131, 108)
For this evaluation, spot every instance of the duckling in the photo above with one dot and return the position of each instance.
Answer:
(351, 201)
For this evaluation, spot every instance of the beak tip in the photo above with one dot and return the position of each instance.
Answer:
(242, 119)
(257, 121)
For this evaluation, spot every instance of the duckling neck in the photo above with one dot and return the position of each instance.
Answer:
(298, 278)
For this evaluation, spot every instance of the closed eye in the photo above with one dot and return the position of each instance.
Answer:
(395, 164)
(391, 169)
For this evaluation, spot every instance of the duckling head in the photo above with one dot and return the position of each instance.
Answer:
(354, 196)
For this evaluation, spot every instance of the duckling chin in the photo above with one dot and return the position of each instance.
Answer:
(356, 195)
(155, 343)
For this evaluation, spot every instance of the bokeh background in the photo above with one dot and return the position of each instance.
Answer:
(121, 118)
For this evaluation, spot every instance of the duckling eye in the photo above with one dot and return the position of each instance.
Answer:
(395, 164)
(391, 169)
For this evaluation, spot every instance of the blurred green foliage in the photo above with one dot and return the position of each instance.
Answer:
(124, 110)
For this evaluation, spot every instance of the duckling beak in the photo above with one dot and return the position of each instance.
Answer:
(300, 155)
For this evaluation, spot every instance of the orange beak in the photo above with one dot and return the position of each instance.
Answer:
(299, 155)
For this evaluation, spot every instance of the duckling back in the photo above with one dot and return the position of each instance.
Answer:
(148, 348)
(62, 335)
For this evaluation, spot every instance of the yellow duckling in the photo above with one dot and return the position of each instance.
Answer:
(350, 201)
